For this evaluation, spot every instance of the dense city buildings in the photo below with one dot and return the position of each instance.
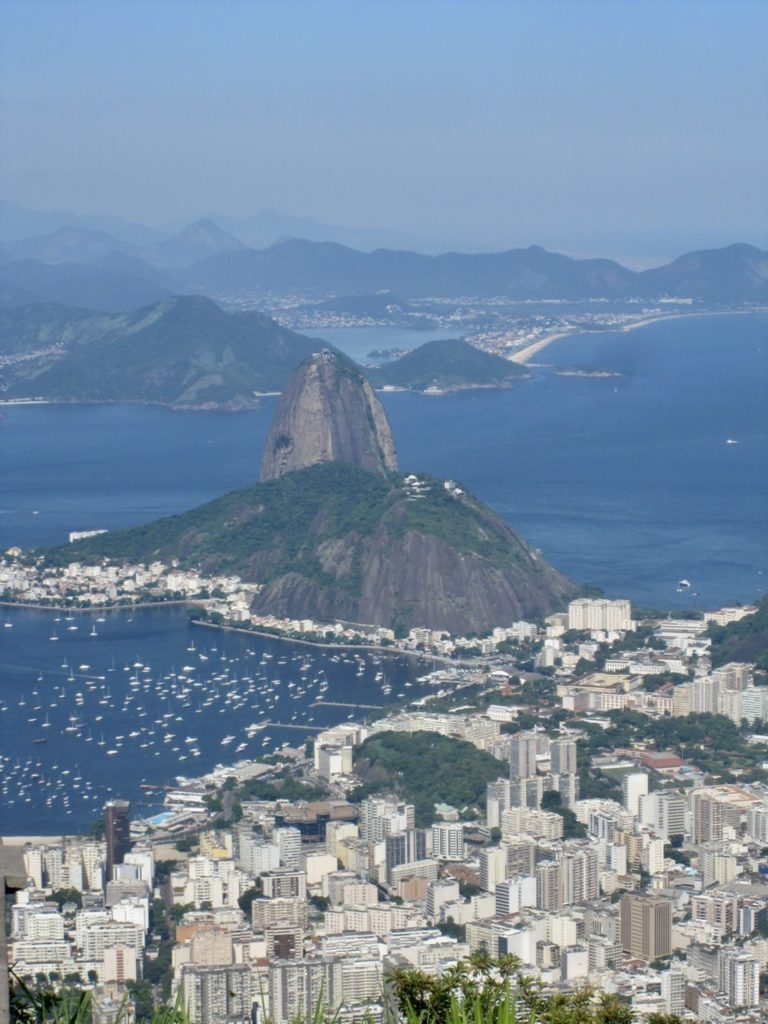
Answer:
(593, 848)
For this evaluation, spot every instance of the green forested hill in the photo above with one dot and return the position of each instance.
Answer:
(425, 768)
(745, 640)
(446, 364)
(333, 541)
(184, 352)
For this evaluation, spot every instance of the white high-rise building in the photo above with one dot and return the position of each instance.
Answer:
(663, 812)
(515, 893)
(446, 890)
(289, 844)
(652, 858)
(448, 841)
(497, 797)
(580, 872)
(258, 856)
(215, 994)
(754, 704)
(634, 785)
(673, 990)
(757, 824)
(493, 867)
(599, 614)
(380, 818)
(718, 863)
(739, 976)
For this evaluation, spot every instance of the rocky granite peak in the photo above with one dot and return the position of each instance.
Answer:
(328, 413)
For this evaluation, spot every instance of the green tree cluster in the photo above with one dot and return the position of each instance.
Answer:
(425, 768)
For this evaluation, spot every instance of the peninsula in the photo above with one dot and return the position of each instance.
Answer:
(333, 532)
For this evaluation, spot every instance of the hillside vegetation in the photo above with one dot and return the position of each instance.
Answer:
(445, 365)
(425, 768)
(745, 640)
(333, 542)
(184, 352)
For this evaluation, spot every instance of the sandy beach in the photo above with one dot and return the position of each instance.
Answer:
(523, 355)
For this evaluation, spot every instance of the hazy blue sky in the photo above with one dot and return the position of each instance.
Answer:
(623, 127)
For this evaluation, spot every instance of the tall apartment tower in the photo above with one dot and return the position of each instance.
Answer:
(634, 785)
(117, 830)
(665, 813)
(448, 841)
(493, 867)
(380, 818)
(295, 987)
(646, 926)
(405, 848)
(496, 801)
(580, 874)
(673, 991)
(289, 844)
(563, 756)
(549, 886)
(521, 856)
(711, 813)
(522, 758)
(739, 977)
(214, 994)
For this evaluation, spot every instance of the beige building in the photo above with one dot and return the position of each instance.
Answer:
(646, 926)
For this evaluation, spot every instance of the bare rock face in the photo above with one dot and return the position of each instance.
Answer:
(328, 413)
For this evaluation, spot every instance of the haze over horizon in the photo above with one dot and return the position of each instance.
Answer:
(634, 131)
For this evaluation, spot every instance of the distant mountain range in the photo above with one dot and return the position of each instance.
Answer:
(18, 221)
(736, 274)
(82, 264)
(70, 244)
(259, 230)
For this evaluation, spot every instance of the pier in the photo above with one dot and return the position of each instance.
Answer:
(297, 725)
(338, 704)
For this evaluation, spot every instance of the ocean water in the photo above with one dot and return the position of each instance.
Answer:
(625, 482)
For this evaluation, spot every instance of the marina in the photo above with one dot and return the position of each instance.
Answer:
(152, 696)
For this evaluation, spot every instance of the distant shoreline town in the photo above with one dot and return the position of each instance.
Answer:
(224, 601)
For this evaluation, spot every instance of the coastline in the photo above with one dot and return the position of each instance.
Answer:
(523, 355)
(265, 634)
(96, 607)
(396, 651)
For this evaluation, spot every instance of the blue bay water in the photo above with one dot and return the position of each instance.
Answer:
(625, 482)
(100, 705)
